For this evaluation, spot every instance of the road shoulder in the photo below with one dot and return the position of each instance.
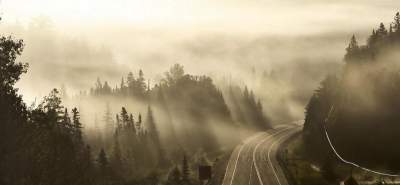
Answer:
(280, 157)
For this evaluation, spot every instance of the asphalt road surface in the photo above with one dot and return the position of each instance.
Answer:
(254, 162)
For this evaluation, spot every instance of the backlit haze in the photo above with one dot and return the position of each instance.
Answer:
(72, 42)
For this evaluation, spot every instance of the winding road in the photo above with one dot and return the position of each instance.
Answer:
(254, 162)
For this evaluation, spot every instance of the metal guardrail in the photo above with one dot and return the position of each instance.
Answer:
(346, 161)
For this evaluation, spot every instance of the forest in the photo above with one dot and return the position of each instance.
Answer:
(131, 133)
(359, 105)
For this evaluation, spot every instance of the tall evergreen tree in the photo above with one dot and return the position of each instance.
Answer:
(381, 31)
(185, 171)
(397, 22)
(108, 121)
(117, 161)
(117, 121)
(66, 119)
(141, 83)
(155, 137)
(352, 49)
(51, 105)
(124, 117)
(139, 124)
(174, 177)
(77, 125)
(132, 123)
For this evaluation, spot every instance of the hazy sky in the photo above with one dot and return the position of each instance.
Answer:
(301, 40)
(273, 16)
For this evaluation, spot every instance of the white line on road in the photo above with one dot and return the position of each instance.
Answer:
(251, 173)
(255, 150)
(269, 158)
(237, 158)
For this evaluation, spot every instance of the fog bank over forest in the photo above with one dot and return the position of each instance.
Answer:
(282, 72)
(281, 55)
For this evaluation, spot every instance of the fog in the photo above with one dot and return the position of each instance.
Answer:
(153, 81)
(277, 48)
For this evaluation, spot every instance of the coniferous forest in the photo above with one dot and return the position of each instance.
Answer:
(359, 105)
(178, 127)
(190, 92)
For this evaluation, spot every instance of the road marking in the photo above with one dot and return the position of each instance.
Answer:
(254, 163)
(251, 173)
(227, 167)
(237, 158)
(255, 150)
(269, 158)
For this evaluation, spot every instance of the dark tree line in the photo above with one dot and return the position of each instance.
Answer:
(246, 109)
(130, 86)
(364, 124)
(42, 144)
(378, 44)
(191, 101)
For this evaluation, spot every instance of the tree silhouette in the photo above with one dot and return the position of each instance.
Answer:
(185, 171)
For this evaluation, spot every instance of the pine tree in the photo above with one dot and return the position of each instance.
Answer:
(352, 50)
(174, 177)
(130, 80)
(381, 32)
(117, 155)
(141, 83)
(185, 171)
(51, 105)
(124, 117)
(151, 125)
(106, 88)
(77, 125)
(103, 166)
(66, 119)
(98, 132)
(102, 159)
(123, 87)
(132, 123)
(397, 23)
(108, 121)
(117, 121)
(153, 132)
(98, 87)
(87, 167)
(139, 124)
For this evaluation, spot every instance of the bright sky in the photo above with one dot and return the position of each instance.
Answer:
(271, 15)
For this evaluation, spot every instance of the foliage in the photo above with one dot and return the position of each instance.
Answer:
(363, 102)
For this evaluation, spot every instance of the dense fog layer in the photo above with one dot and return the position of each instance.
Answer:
(277, 49)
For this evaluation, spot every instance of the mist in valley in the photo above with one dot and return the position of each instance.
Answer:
(144, 92)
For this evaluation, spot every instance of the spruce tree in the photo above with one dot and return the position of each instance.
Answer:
(174, 177)
(77, 125)
(124, 117)
(108, 121)
(117, 162)
(381, 32)
(397, 22)
(352, 49)
(66, 119)
(185, 171)
(141, 83)
(132, 124)
(139, 124)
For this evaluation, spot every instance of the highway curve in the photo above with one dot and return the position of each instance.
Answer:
(254, 162)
